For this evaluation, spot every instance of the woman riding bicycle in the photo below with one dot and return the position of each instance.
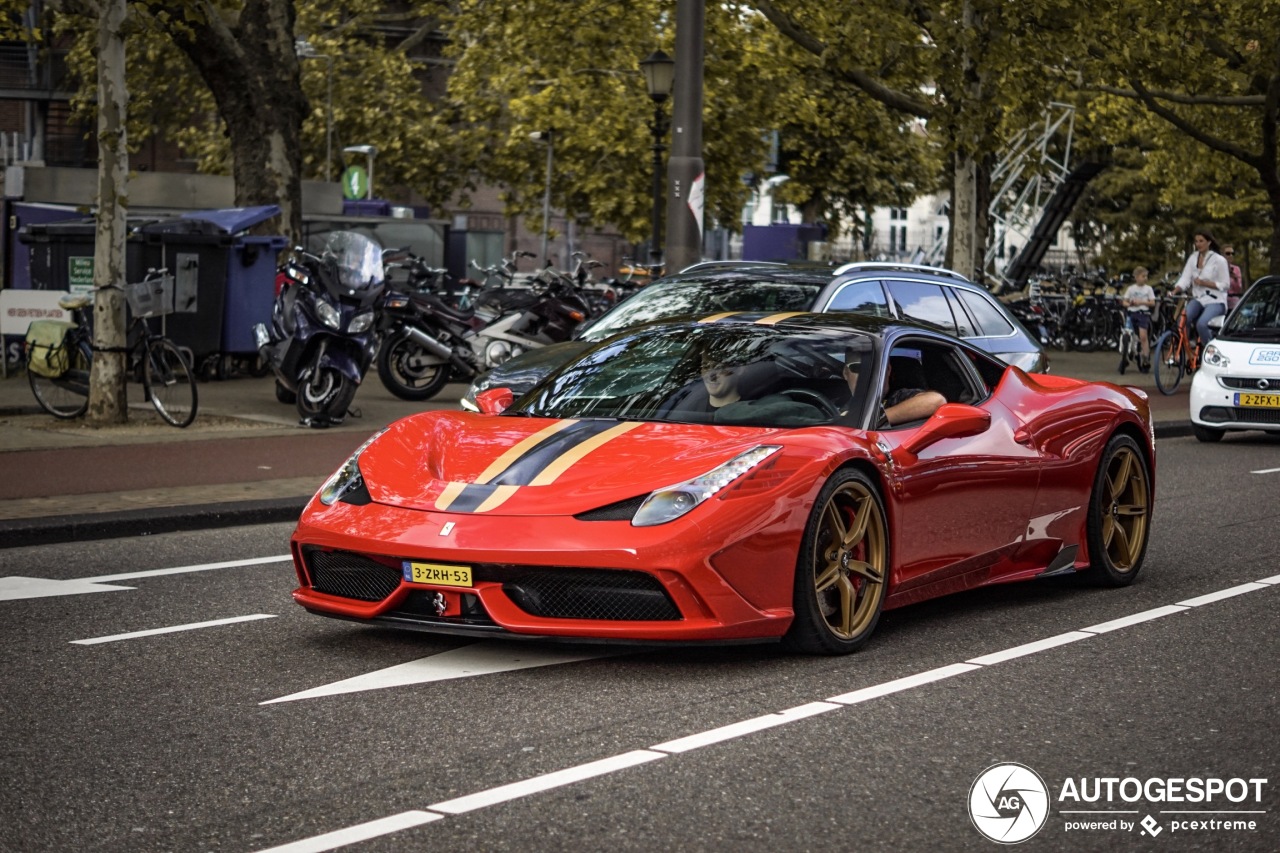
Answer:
(1207, 274)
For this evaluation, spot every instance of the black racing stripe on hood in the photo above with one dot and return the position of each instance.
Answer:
(523, 470)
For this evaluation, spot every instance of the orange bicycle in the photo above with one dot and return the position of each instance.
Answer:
(1173, 355)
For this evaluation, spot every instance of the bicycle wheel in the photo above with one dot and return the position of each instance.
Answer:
(1168, 362)
(170, 383)
(65, 396)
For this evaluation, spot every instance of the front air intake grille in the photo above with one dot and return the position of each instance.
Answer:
(350, 575)
(1230, 414)
(620, 511)
(592, 594)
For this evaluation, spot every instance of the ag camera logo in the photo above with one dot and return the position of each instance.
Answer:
(1008, 803)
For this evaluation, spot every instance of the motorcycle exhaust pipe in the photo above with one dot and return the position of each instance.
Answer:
(444, 351)
(427, 342)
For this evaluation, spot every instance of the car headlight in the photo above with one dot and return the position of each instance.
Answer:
(361, 322)
(328, 314)
(674, 501)
(1215, 357)
(346, 479)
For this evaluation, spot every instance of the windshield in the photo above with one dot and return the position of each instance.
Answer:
(1257, 315)
(359, 259)
(722, 373)
(702, 296)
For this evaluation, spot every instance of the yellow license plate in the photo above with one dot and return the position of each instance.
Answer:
(1258, 401)
(439, 574)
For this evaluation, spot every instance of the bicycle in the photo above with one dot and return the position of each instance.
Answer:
(60, 355)
(1173, 356)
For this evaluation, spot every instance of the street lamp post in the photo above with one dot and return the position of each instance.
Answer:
(659, 73)
(548, 137)
(307, 51)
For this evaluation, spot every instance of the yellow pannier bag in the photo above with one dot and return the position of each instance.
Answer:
(45, 353)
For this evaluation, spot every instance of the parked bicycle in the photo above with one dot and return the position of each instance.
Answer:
(60, 355)
(1173, 355)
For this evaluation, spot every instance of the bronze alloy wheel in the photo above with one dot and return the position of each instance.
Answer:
(843, 568)
(1120, 517)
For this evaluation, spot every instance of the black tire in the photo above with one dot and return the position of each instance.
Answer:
(1119, 525)
(1168, 363)
(67, 396)
(325, 396)
(1208, 435)
(842, 571)
(170, 383)
(284, 395)
(401, 372)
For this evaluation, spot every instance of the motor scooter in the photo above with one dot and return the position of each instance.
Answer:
(552, 311)
(322, 337)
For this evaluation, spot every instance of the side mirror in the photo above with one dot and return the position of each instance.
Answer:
(952, 420)
(494, 401)
(1216, 323)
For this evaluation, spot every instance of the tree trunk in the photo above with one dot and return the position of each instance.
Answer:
(108, 402)
(250, 64)
(964, 253)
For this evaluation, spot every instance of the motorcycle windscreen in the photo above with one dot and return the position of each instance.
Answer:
(359, 259)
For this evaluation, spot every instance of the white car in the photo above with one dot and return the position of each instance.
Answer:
(1238, 384)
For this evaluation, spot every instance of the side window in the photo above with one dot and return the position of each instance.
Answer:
(989, 369)
(921, 300)
(965, 325)
(865, 296)
(991, 322)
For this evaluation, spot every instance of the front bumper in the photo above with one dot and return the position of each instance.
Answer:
(1213, 403)
(559, 577)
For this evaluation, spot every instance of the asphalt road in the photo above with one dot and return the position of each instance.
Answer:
(162, 742)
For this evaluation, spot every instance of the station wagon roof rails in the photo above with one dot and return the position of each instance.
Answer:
(890, 265)
(708, 265)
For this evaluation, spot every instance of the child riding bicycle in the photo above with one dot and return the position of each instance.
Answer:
(1138, 299)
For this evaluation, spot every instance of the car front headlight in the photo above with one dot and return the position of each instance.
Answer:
(348, 478)
(674, 501)
(1215, 357)
(328, 314)
(361, 322)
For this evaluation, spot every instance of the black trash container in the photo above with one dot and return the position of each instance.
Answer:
(62, 253)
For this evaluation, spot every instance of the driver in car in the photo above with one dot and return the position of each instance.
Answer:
(906, 398)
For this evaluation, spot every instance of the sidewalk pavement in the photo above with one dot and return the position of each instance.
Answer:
(246, 459)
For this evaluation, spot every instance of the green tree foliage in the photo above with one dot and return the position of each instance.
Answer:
(1210, 73)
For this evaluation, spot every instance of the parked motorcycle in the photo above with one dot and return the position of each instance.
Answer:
(426, 338)
(322, 338)
(554, 308)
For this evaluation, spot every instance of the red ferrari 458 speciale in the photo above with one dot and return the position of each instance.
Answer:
(740, 477)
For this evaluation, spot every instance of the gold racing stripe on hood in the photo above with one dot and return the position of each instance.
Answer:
(504, 461)
(449, 495)
(498, 498)
(774, 319)
(720, 316)
(549, 474)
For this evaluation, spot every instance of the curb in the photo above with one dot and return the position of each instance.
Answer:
(52, 530)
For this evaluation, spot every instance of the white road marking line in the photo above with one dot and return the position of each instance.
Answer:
(1030, 648)
(352, 834)
(1266, 471)
(1222, 593)
(1135, 619)
(745, 727)
(900, 684)
(559, 778)
(1274, 579)
(190, 627)
(230, 564)
(13, 588)
(546, 782)
(477, 659)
